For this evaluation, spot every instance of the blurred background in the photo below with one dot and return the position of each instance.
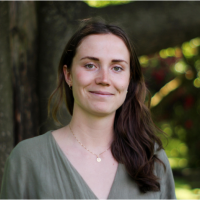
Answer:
(166, 36)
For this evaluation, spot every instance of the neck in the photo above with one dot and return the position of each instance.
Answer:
(96, 133)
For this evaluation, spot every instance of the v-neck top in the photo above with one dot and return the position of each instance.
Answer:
(37, 168)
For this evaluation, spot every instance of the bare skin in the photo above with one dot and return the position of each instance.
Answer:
(99, 78)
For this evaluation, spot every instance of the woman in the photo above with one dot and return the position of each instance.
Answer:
(109, 149)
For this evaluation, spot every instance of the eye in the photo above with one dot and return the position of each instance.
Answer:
(117, 69)
(90, 66)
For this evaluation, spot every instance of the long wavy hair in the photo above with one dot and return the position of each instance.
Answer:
(135, 133)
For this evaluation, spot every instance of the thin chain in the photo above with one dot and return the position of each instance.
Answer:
(86, 147)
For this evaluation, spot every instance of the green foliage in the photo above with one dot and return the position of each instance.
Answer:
(177, 110)
(184, 190)
(101, 3)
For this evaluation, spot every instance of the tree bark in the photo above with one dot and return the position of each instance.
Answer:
(23, 45)
(6, 90)
(152, 26)
(54, 32)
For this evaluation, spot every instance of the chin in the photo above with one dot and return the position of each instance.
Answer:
(102, 112)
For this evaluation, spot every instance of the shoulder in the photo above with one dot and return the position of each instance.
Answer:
(162, 165)
(165, 175)
(32, 147)
(23, 166)
(160, 154)
(162, 168)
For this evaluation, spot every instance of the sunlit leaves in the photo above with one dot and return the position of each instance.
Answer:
(176, 149)
(189, 74)
(180, 66)
(189, 49)
(195, 42)
(185, 191)
(197, 64)
(144, 61)
(197, 82)
(100, 3)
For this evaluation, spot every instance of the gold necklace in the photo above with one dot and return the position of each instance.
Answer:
(98, 158)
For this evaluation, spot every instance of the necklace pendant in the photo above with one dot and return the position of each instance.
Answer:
(98, 159)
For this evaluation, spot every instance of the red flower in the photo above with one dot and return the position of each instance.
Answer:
(159, 75)
(188, 102)
(188, 124)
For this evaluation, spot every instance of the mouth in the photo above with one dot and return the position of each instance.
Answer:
(101, 93)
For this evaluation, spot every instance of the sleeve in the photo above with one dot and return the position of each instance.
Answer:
(15, 175)
(167, 186)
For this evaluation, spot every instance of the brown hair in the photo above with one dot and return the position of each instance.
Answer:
(134, 138)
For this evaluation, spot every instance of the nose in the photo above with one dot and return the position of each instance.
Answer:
(103, 77)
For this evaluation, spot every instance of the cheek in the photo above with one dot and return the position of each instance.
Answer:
(81, 78)
(122, 84)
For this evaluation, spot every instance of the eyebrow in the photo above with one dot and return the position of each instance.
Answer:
(96, 59)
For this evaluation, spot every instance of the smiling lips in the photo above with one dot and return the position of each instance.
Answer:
(101, 93)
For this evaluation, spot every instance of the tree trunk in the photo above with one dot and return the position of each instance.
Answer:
(23, 45)
(6, 90)
(152, 26)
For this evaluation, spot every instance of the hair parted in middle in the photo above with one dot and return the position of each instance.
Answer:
(134, 131)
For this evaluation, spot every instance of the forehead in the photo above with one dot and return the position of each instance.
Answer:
(102, 45)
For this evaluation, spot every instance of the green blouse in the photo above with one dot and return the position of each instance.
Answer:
(38, 169)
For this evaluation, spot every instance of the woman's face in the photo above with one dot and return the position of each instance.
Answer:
(99, 74)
